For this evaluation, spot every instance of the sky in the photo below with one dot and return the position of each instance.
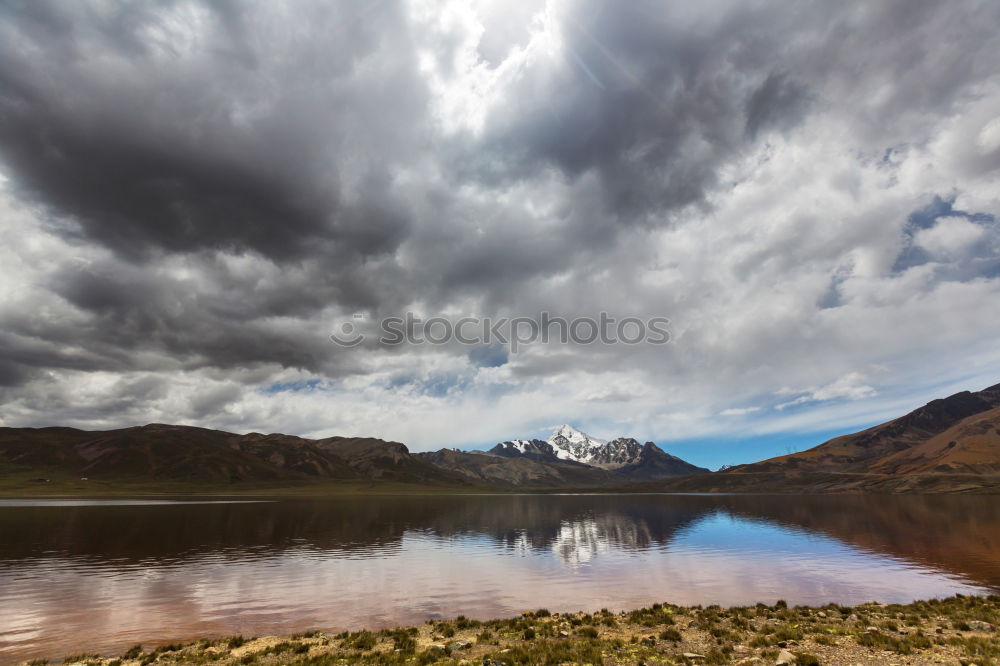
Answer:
(195, 195)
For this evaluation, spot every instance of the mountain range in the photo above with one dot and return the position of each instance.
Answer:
(161, 453)
(625, 455)
(948, 445)
(569, 458)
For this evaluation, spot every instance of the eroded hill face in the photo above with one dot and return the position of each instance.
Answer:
(198, 455)
(910, 443)
(948, 445)
(970, 446)
(526, 472)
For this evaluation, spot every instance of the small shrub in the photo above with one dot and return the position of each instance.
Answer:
(670, 634)
(720, 656)
(133, 652)
(287, 646)
(551, 652)
(884, 642)
(360, 640)
(787, 632)
(172, 647)
(462, 622)
(402, 640)
(308, 634)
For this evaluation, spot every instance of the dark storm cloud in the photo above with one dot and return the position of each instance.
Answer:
(151, 131)
(778, 102)
(650, 100)
(23, 357)
(230, 143)
(187, 324)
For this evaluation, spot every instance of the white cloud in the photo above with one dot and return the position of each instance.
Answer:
(851, 386)
(951, 238)
(988, 139)
(739, 411)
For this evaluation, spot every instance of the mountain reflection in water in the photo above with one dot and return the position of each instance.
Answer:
(112, 574)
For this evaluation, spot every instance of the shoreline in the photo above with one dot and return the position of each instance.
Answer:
(957, 630)
(394, 490)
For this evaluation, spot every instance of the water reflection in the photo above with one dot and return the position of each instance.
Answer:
(109, 575)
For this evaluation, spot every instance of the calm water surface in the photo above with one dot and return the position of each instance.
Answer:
(102, 575)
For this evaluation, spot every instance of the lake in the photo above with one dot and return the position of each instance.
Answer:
(101, 575)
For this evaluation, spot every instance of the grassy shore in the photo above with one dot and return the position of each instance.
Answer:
(59, 484)
(958, 630)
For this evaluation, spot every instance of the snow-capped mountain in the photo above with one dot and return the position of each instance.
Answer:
(528, 448)
(571, 444)
(566, 444)
(617, 453)
(623, 455)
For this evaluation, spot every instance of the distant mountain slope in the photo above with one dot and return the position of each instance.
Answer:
(970, 446)
(949, 444)
(378, 459)
(199, 455)
(520, 471)
(625, 455)
(653, 462)
(871, 450)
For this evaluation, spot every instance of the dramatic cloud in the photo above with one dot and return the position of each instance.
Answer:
(194, 195)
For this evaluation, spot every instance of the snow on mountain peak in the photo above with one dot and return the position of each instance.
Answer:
(572, 444)
(574, 436)
(520, 444)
